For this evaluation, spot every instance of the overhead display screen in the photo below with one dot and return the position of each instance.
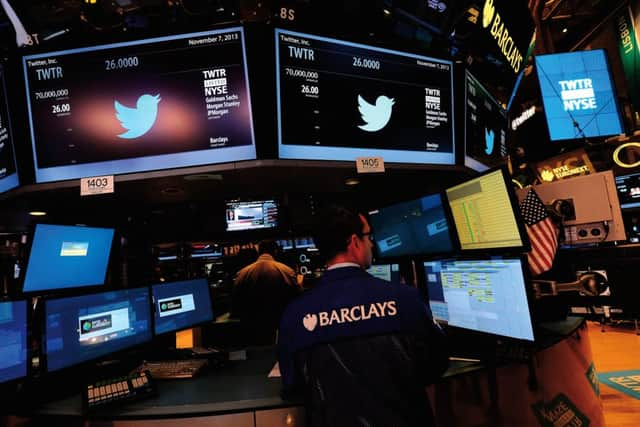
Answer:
(137, 106)
(485, 129)
(8, 171)
(339, 100)
(578, 95)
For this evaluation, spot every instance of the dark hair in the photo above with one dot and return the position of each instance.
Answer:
(335, 226)
(268, 246)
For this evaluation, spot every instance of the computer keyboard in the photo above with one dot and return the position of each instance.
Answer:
(165, 369)
(118, 389)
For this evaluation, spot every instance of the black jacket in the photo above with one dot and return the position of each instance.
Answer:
(362, 351)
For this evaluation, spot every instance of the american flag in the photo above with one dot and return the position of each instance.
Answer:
(542, 233)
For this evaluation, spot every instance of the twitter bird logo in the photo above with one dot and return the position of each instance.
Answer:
(376, 116)
(488, 138)
(139, 120)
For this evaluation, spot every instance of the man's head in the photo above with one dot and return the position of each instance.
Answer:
(268, 246)
(344, 236)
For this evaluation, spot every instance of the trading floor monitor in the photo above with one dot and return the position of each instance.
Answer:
(483, 294)
(82, 328)
(388, 272)
(13, 340)
(181, 305)
(486, 215)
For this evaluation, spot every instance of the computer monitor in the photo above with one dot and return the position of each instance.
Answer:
(415, 227)
(241, 215)
(285, 244)
(8, 169)
(82, 328)
(486, 214)
(484, 294)
(305, 242)
(628, 187)
(204, 250)
(13, 340)
(64, 257)
(388, 272)
(181, 305)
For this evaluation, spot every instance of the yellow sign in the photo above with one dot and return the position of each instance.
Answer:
(500, 33)
(569, 164)
(624, 164)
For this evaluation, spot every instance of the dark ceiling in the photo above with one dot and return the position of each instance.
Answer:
(177, 203)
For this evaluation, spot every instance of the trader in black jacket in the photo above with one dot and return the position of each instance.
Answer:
(360, 349)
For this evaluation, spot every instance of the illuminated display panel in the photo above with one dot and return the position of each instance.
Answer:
(250, 215)
(13, 340)
(82, 328)
(64, 256)
(181, 305)
(8, 170)
(484, 295)
(628, 187)
(485, 127)
(143, 105)
(485, 215)
(578, 95)
(339, 100)
(388, 272)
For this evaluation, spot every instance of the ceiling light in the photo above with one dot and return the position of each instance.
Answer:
(352, 181)
(564, 30)
(37, 213)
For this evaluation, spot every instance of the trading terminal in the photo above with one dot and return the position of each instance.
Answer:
(493, 152)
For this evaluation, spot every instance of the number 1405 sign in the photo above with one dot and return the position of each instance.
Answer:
(96, 185)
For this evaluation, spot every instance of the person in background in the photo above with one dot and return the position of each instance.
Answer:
(261, 292)
(359, 349)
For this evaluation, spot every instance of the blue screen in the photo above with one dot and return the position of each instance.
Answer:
(484, 295)
(13, 340)
(67, 256)
(180, 305)
(415, 227)
(82, 328)
(577, 86)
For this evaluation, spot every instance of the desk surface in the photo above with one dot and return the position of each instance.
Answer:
(242, 386)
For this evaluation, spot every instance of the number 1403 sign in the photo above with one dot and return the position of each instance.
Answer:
(96, 185)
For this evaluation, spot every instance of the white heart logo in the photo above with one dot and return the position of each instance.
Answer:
(310, 321)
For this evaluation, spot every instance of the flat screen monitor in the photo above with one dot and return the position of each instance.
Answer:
(13, 340)
(485, 213)
(485, 295)
(339, 100)
(64, 256)
(8, 170)
(388, 272)
(181, 305)
(82, 328)
(251, 215)
(204, 250)
(285, 244)
(305, 242)
(628, 187)
(159, 103)
(579, 98)
(485, 127)
(415, 227)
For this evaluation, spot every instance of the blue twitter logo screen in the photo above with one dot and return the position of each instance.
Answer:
(485, 127)
(137, 106)
(65, 257)
(378, 102)
(578, 95)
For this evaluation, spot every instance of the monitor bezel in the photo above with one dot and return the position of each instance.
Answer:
(398, 259)
(153, 307)
(515, 208)
(528, 288)
(68, 291)
(12, 181)
(88, 362)
(614, 92)
(27, 314)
